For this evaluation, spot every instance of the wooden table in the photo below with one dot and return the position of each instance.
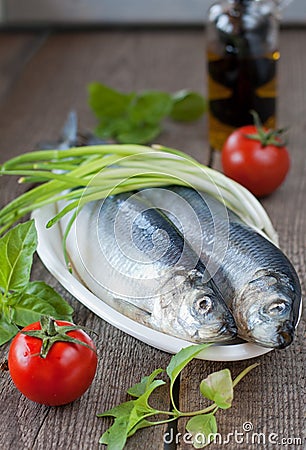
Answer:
(42, 76)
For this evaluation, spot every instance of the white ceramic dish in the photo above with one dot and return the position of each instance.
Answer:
(51, 254)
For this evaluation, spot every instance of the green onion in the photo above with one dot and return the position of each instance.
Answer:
(83, 174)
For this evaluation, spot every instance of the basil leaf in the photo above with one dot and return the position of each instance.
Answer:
(202, 428)
(35, 300)
(188, 106)
(110, 128)
(17, 247)
(218, 387)
(150, 107)
(140, 388)
(135, 118)
(136, 134)
(7, 330)
(181, 359)
(107, 102)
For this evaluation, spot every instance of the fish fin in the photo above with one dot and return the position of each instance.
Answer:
(130, 309)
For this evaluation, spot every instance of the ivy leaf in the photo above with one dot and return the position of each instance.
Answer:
(124, 409)
(35, 300)
(17, 247)
(141, 404)
(188, 106)
(129, 417)
(218, 387)
(141, 424)
(115, 437)
(179, 361)
(202, 428)
(182, 358)
(140, 388)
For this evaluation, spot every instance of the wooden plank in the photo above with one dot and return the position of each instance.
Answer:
(53, 82)
(56, 80)
(16, 50)
(271, 397)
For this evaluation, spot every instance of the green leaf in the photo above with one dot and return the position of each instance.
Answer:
(135, 118)
(182, 358)
(17, 247)
(143, 423)
(141, 404)
(7, 330)
(109, 128)
(202, 428)
(115, 437)
(150, 107)
(22, 302)
(218, 387)
(140, 388)
(121, 410)
(127, 416)
(108, 103)
(179, 361)
(35, 300)
(141, 134)
(188, 106)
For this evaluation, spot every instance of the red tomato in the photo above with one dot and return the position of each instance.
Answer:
(259, 167)
(59, 378)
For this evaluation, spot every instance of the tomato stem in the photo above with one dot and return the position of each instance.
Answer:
(266, 137)
(51, 332)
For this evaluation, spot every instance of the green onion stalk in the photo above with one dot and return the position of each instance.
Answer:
(83, 174)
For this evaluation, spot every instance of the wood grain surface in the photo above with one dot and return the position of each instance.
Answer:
(42, 78)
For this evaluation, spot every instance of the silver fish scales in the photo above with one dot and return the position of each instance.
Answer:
(256, 279)
(135, 259)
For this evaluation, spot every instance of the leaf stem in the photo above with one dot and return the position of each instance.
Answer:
(244, 373)
(197, 413)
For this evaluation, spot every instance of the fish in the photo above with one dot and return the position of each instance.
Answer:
(258, 282)
(134, 258)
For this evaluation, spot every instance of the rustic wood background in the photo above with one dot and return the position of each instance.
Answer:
(44, 75)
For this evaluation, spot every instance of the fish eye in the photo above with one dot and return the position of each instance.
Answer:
(276, 308)
(204, 305)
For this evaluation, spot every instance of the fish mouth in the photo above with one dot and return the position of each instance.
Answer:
(285, 336)
(282, 337)
(225, 333)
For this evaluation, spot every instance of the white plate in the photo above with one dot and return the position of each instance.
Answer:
(51, 254)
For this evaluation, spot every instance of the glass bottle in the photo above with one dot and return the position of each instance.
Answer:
(242, 55)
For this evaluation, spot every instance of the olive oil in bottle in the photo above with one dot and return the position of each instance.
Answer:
(242, 55)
